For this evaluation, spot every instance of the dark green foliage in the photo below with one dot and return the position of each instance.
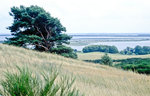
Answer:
(34, 26)
(94, 61)
(138, 50)
(135, 64)
(127, 51)
(65, 51)
(113, 49)
(106, 60)
(21, 40)
(26, 84)
(146, 49)
(100, 48)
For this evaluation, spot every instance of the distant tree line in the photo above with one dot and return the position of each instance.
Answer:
(138, 50)
(100, 48)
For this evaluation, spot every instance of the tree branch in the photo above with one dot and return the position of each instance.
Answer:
(46, 49)
(48, 32)
(40, 33)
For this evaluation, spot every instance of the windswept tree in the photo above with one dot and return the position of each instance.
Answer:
(34, 26)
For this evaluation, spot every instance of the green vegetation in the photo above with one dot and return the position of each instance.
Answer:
(106, 60)
(100, 48)
(34, 26)
(65, 51)
(138, 50)
(91, 79)
(135, 64)
(25, 84)
(98, 55)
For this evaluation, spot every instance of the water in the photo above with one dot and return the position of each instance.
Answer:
(123, 45)
(119, 44)
(3, 37)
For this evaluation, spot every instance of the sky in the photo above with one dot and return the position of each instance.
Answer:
(88, 16)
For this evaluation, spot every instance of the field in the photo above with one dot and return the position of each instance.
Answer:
(91, 79)
(98, 55)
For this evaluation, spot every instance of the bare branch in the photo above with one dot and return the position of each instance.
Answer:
(48, 32)
(40, 33)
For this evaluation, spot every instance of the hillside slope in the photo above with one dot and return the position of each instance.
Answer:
(91, 79)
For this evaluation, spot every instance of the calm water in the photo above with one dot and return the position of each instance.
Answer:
(120, 45)
(2, 38)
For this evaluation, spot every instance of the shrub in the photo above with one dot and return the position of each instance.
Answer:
(139, 50)
(106, 60)
(26, 84)
(135, 64)
(65, 51)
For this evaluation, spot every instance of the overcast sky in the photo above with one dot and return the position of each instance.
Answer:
(89, 16)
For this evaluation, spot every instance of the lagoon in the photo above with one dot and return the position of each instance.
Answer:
(119, 45)
(120, 42)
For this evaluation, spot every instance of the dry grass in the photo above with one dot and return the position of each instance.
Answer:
(91, 79)
(98, 55)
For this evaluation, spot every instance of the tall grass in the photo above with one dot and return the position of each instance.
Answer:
(98, 55)
(91, 79)
(25, 83)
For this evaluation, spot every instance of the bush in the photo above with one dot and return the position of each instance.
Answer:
(100, 48)
(65, 51)
(26, 84)
(135, 64)
(106, 60)
(139, 50)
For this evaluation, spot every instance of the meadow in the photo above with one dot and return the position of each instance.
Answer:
(91, 79)
(98, 55)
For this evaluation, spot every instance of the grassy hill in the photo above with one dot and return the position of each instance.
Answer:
(98, 55)
(91, 79)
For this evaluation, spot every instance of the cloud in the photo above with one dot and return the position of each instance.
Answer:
(90, 16)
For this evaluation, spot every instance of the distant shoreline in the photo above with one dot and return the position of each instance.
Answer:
(5, 35)
(103, 34)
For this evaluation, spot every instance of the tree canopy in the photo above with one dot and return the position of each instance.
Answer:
(138, 50)
(33, 25)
